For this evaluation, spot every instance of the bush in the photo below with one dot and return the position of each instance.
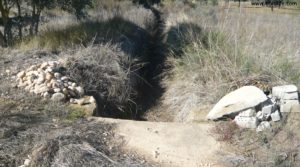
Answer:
(106, 73)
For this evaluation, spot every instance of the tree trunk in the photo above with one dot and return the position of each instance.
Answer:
(2, 40)
(20, 21)
(37, 21)
(32, 20)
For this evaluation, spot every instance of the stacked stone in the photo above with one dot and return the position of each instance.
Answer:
(282, 99)
(252, 109)
(45, 80)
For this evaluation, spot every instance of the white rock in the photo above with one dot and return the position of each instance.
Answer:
(79, 90)
(290, 96)
(65, 91)
(236, 101)
(92, 100)
(246, 122)
(57, 75)
(263, 126)
(80, 101)
(73, 85)
(7, 71)
(279, 91)
(44, 65)
(48, 76)
(275, 116)
(247, 113)
(46, 95)
(64, 78)
(288, 105)
(267, 110)
(58, 97)
(21, 74)
(41, 89)
(259, 115)
(57, 90)
(27, 162)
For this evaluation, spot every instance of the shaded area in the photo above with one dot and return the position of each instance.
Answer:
(50, 142)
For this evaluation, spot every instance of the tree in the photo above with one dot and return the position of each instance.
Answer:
(5, 7)
(75, 6)
(37, 6)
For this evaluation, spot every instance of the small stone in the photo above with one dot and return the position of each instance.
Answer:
(7, 71)
(57, 75)
(49, 85)
(248, 113)
(73, 85)
(46, 95)
(263, 126)
(44, 65)
(58, 97)
(49, 76)
(259, 115)
(64, 78)
(65, 91)
(246, 122)
(72, 100)
(79, 90)
(49, 70)
(21, 74)
(275, 116)
(57, 90)
(41, 89)
(27, 162)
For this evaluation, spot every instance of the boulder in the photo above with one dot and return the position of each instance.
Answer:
(263, 126)
(58, 97)
(239, 100)
(246, 122)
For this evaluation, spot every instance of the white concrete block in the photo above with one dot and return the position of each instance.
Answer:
(246, 122)
(279, 91)
(290, 96)
(275, 116)
(263, 126)
(267, 110)
(287, 105)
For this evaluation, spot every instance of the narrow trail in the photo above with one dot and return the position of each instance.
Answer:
(169, 144)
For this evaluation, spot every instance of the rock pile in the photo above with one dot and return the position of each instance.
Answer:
(249, 107)
(47, 81)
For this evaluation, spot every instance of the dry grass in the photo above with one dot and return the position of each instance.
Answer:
(221, 49)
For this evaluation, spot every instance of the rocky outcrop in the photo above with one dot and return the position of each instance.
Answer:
(249, 107)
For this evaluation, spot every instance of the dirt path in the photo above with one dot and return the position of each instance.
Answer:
(169, 144)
